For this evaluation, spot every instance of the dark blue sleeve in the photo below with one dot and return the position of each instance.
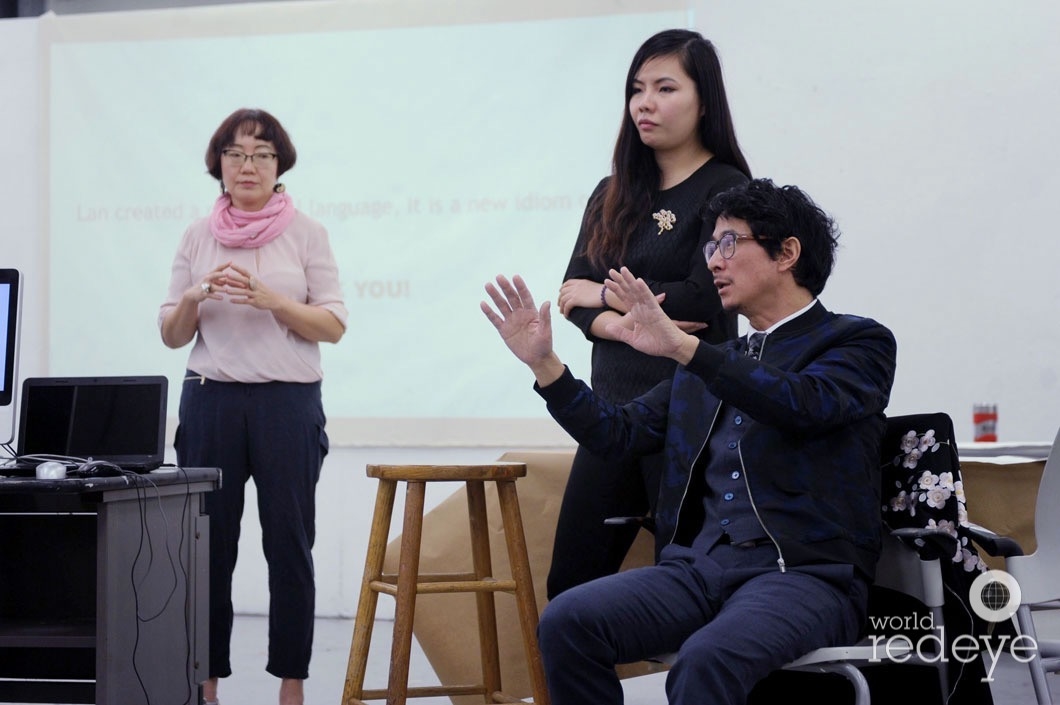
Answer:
(608, 430)
(849, 379)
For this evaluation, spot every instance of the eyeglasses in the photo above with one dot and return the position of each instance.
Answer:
(726, 243)
(233, 157)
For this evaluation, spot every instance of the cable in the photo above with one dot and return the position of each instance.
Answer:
(146, 545)
(35, 458)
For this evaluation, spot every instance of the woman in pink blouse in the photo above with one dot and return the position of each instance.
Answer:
(256, 288)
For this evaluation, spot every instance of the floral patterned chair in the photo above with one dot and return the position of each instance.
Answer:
(922, 488)
(923, 502)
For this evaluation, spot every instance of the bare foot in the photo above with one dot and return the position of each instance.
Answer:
(291, 692)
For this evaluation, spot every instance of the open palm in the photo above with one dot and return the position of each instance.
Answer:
(647, 328)
(525, 329)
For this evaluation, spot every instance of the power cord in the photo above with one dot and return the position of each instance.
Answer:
(174, 565)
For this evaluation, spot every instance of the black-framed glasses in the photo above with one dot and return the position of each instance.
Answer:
(234, 157)
(726, 243)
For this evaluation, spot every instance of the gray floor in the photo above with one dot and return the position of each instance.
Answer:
(250, 685)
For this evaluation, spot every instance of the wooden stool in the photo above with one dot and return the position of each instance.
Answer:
(408, 583)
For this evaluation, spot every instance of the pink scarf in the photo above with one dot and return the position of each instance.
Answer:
(235, 228)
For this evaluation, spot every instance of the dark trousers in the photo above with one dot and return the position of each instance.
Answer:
(597, 489)
(274, 433)
(730, 615)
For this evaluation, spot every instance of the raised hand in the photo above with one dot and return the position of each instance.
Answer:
(525, 329)
(652, 331)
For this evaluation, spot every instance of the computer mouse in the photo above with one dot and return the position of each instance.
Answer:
(51, 470)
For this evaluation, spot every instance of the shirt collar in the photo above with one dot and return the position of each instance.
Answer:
(751, 330)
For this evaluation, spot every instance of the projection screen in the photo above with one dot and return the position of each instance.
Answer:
(440, 146)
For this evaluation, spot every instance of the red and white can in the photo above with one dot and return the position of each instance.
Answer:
(984, 420)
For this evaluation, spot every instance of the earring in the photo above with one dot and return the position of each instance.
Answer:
(279, 188)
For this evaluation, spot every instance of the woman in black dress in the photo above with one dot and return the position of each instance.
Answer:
(676, 149)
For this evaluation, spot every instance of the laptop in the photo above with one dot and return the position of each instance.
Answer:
(119, 420)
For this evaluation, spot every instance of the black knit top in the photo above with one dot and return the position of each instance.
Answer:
(670, 261)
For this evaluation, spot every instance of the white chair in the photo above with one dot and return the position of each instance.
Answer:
(901, 569)
(1037, 574)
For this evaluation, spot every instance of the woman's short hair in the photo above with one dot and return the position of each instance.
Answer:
(256, 123)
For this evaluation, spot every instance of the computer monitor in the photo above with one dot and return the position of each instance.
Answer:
(10, 324)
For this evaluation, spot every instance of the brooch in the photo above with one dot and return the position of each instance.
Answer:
(665, 219)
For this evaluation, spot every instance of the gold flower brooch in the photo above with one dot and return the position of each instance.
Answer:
(665, 219)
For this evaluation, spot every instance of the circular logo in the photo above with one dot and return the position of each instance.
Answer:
(995, 595)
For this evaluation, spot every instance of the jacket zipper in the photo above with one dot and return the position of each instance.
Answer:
(750, 495)
(688, 483)
(746, 483)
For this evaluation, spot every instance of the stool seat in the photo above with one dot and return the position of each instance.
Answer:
(407, 583)
(448, 473)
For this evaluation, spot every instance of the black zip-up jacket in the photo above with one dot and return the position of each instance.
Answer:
(811, 454)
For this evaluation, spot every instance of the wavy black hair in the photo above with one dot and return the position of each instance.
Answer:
(775, 213)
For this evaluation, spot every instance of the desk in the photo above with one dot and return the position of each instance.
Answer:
(104, 588)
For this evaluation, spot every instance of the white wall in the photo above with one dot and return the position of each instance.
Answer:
(928, 130)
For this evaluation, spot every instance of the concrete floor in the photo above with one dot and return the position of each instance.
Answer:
(250, 685)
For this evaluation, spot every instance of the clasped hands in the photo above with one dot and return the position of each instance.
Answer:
(235, 282)
(527, 329)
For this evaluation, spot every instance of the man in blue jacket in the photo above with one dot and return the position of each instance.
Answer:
(769, 510)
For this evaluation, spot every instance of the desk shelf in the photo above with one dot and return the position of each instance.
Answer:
(26, 633)
(78, 560)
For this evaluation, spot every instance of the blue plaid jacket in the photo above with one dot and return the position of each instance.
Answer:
(811, 454)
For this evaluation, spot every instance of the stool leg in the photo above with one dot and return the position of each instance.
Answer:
(524, 586)
(366, 603)
(484, 601)
(407, 580)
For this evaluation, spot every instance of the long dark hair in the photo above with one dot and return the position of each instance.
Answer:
(615, 214)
